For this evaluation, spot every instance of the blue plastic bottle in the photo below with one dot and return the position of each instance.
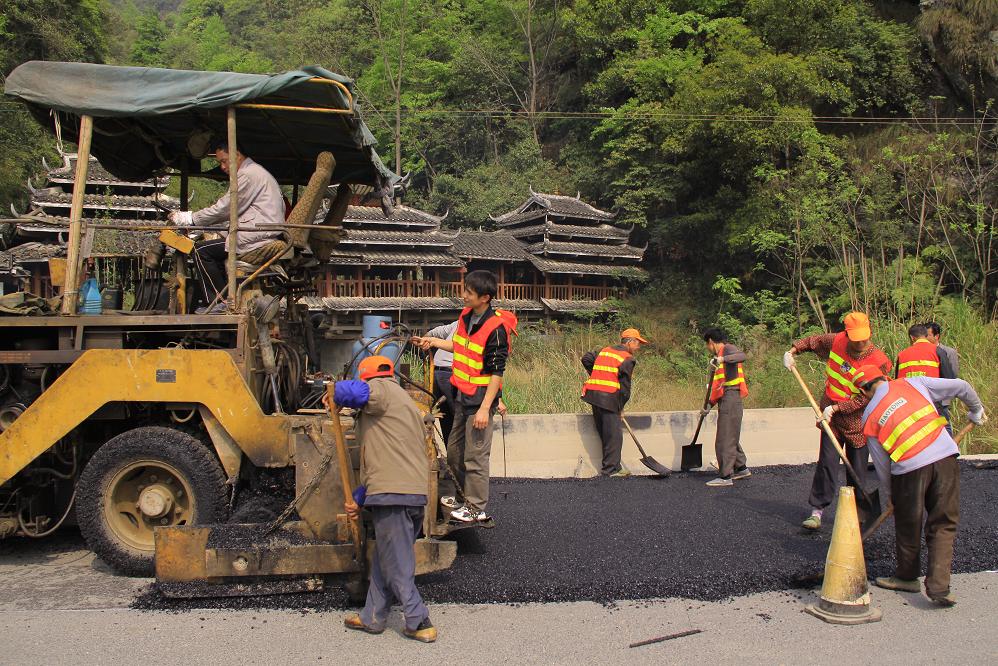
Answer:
(90, 295)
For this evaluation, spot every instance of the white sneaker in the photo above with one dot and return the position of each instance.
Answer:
(720, 482)
(449, 502)
(466, 515)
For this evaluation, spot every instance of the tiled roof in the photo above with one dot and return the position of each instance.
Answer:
(361, 257)
(555, 204)
(34, 252)
(604, 231)
(587, 249)
(352, 304)
(401, 216)
(48, 199)
(118, 243)
(425, 238)
(97, 174)
(545, 265)
(497, 245)
(577, 306)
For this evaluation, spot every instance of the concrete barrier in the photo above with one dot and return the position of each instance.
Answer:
(566, 445)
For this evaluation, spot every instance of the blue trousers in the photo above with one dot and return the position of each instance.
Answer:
(393, 572)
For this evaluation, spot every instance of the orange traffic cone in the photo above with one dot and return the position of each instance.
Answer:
(845, 596)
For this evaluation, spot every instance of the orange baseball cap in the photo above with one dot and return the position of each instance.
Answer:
(632, 333)
(857, 326)
(373, 366)
(866, 374)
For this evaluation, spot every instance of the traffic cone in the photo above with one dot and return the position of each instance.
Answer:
(845, 596)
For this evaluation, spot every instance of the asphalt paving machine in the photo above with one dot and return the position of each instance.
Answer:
(192, 446)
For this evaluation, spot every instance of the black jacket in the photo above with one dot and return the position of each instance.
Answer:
(613, 402)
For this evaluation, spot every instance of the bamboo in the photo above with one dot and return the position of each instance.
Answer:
(73, 263)
(230, 263)
(284, 107)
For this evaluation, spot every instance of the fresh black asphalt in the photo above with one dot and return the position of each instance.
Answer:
(615, 539)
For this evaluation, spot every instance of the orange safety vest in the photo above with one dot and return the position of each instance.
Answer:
(469, 351)
(605, 376)
(842, 369)
(919, 360)
(718, 385)
(904, 422)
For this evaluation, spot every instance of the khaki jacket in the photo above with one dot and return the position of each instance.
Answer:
(392, 442)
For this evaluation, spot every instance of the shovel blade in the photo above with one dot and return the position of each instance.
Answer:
(655, 466)
(692, 457)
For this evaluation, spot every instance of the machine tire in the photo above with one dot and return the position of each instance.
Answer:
(177, 463)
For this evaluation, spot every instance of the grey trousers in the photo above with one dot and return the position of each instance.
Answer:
(468, 451)
(825, 484)
(727, 444)
(611, 434)
(393, 571)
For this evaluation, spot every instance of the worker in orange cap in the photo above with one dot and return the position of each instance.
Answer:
(915, 459)
(842, 404)
(394, 476)
(607, 390)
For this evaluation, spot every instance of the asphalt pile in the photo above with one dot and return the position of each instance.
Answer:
(618, 539)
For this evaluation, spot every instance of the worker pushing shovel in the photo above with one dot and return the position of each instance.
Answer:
(841, 409)
(727, 390)
(607, 390)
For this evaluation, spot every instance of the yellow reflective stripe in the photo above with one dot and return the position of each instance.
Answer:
(606, 368)
(842, 380)
(908, 364)
(603, 382)
(922, 433)
(481, 379)
(468, 344)
(835, 357)
(719, 375)
(915, 374)
(470, 362)
(613, 356)
(735, 382)
(837, 391)
(905, 424)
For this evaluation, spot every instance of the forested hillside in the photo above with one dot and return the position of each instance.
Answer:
(790, 160)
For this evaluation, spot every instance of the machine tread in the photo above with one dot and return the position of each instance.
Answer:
(180, 449)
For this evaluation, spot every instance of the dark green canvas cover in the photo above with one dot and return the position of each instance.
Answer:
(145, 118)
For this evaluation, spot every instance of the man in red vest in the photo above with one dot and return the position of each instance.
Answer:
(842, 404)
(915, 459)
(727, 390)
(921, 359)
(481, 346)
(607, 390)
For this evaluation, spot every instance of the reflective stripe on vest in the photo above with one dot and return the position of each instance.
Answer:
(718, 385)
(605, 376)
(921, 359)
(841, 369)
(904, 421)
(469, 350)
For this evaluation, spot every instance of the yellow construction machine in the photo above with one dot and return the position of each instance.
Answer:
(158, 427)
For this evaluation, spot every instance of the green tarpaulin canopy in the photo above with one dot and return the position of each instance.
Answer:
(146, 119)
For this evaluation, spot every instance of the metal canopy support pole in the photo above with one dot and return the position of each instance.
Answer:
(230, 264)
(71, 290)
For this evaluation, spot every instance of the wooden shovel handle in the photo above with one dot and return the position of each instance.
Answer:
(963, 432)
(344, 465)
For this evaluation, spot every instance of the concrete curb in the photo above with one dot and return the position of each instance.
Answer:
(566, 445)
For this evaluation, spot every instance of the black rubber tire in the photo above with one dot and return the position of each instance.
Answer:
(194, 460)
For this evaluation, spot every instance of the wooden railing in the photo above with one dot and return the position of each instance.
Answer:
(328, 285)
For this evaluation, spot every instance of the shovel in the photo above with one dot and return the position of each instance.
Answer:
(868, 504)
(693, 452)
(646, 459)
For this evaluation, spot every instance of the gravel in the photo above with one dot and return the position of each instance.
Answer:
(615, 539)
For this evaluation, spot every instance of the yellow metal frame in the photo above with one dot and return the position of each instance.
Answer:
(306, 109)
(100, 376)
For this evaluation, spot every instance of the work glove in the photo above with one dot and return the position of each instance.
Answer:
(359, 495)
(181, 218)
(827, 413)
(713, 362)
(978, 417)
(788, 360)
(351, 393)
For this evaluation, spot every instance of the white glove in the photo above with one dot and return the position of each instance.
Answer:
(788, 360)
(978, 417)
(827, 413)
(181, 218)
